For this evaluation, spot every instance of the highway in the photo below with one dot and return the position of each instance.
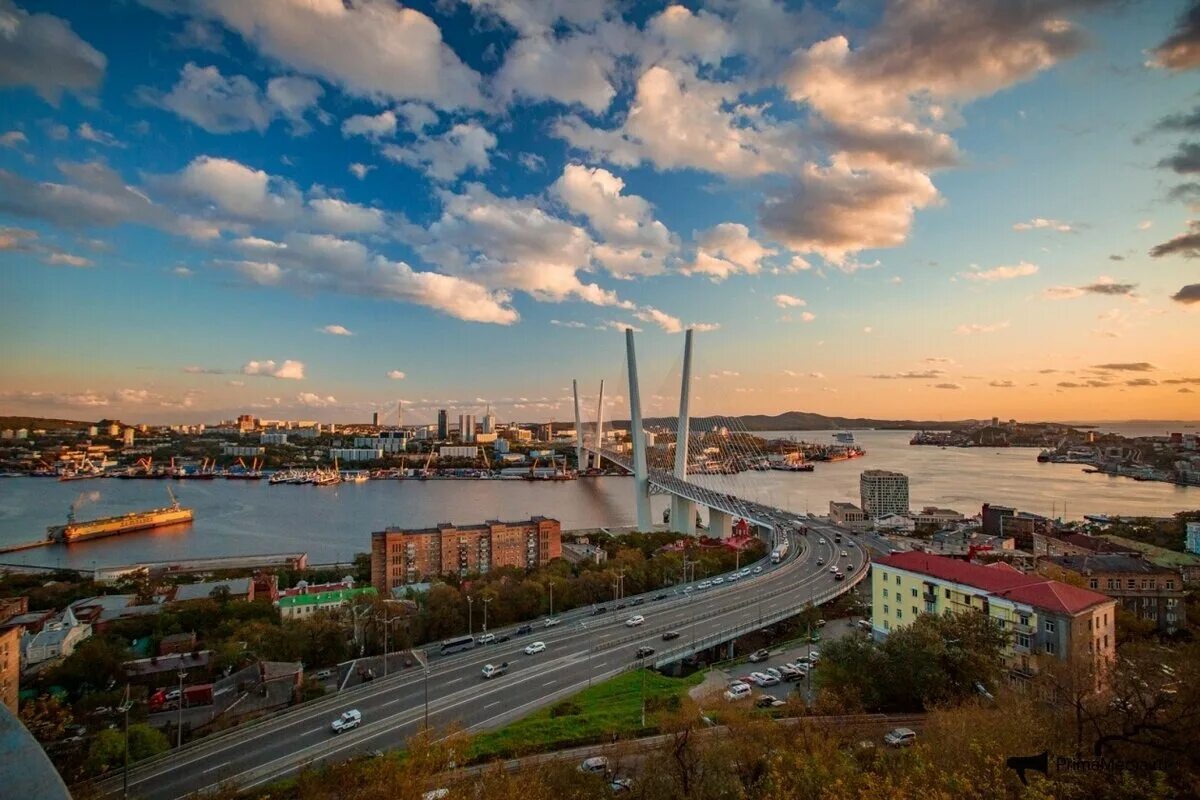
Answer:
(580, 650)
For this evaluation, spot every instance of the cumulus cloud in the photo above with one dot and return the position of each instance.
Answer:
(66, 259)
(373, 126)
(662, 319)
(336, 330)
(396, 375)
(1185, 244)
(371, 48)
(221, 104)
(89, 134)
(632, 241)
(978, 327)
(313, 400)
(1103, 286)
(1021, 270)
(360, 170)
(288, 370)
(1040, 223)
(677, 31)
(1181, 50)
(947, 386)
(340, 216)
(1188, 295)
(13, 139)
(42, 52)
(568, 323)
(572, 69)
(466, 146)
(789, 301)
(727, 249)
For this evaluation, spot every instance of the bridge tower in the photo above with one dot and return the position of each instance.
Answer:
(641, 476)
(579, 465)
(599, 443)
(683, 511)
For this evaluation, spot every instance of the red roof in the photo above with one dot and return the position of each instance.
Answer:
(999, 579)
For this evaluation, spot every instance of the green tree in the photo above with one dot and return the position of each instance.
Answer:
(94, 665)
(107, 751)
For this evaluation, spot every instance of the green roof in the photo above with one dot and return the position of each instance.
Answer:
(324, 598)
(1159, 555)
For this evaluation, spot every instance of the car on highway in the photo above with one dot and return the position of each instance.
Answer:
(485, 638)
(596, 765)
(744, 571)
(550, 622)
(658, 597)
(768, 701)
(820, 562)
(494, 670)
(757, 570)
(718, 581)
(634, 621)
(644, 652)
(637, 601)
(524, 630)
(821, 540)
(688, 589)
(759, 655)
(840, 576)
(536, 647)
(436, 794)
(347, 721)
(737, 691)
(900, 737)
(845, 554)
(705, 585)
(733, 577)
(833, 570)
(323, 674)
(598, 610)
(669, 635)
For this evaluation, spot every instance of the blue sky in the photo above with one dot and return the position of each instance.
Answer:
(306, 210)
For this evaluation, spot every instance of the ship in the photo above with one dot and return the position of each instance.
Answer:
(844, 437)
(75, 531)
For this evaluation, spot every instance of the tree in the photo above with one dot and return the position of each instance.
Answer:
(46, 717)
(108, 748)
(94, 665)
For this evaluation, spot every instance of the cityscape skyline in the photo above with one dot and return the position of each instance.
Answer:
(269, 210)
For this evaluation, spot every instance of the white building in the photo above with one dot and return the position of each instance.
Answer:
(882, 492)
(449, 451)
(56, 639)
(1193, 538)
(355, 453)
(241, 451)
(489, 422)
(273, 438)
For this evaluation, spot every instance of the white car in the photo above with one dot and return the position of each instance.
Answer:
(737, 691)
(705, 585)
(757, 570)
(821, 540)
(833, 569)
(744, 571)
(814, 657)
(764, 679)
(550, 622)
(774, 673)
(735, 576)
(718, 581)
(634, 621)
(348, 720)
(485, 638)
(535, 648)
(596, 765)
(845, 554)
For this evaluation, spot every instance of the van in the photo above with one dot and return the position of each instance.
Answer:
(738, 691)
(323, 674)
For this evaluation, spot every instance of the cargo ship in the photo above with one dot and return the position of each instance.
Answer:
(75, 531)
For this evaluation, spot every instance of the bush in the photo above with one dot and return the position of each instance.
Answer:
(565, 708)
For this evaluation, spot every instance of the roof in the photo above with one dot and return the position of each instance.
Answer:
(204, 589)
(25, 769)
(1108, 562)
(167, 663)
(1093, 543)
(998, 579)
(1159, 555)
(844, 506)
(323, 598)
(105, 601)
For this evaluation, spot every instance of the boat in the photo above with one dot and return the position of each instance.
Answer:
(76, 531)
(844, 437)
(244, 473)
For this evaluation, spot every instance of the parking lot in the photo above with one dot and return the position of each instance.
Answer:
(834, 629)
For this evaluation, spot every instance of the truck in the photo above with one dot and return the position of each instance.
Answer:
(200, 694)
(494, 670)
(780, 552)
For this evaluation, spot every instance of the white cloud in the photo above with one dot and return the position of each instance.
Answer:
(66, 259)
(372, 48)
(466, 146)
(335, 330)
(216, 103)
(237, 190)
(727, 249)
(396, 375)
(947, 386)
(339, 216)
(1040, 223)
(375, 126)
(634, 243)
(360, 170)
(1005, 273)
(13, 139)
(568, 323)
(313, 400)
(789, 301)
(968, 329)
(288, 370)
(569, 70)
(294, 96)
(682, 34)
(41, 51)
(97, 136)
(662, 319)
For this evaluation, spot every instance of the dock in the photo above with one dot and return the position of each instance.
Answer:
(16, 548)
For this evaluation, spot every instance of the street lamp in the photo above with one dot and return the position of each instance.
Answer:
(179, 732)
(486, 602)
(552, 598)
(470, 615)
(124, 708)
(643, 691)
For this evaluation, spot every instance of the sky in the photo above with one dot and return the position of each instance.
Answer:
(315, 209)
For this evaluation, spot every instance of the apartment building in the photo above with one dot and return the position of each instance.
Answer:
(10, 667)
(1048, 620)
(400, 557)
(883, 492)
(1151, 592)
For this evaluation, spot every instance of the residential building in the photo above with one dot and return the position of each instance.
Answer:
(577, 552)
(443, 424)
(993, 518)
(941, 517)
(847, 514)
(1068, 543)
(355, 453)
(466, 428)
(273, 438)
(55, 639)
(13, 606)
(489, 421)
(1187, 563)
(127, 437)
(451, 451)
(242, 451)
(1151, 592)
(296, 606)
(898, 523)
(1192, 538)
(882, 492)
(400, 556)
(177, 643)
(10, 667)
(375, 419)
(1048, 620)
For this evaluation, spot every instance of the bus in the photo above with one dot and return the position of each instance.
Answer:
(455, 645)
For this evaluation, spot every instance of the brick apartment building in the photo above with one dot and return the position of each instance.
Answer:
(1151, 592)
(400, 557)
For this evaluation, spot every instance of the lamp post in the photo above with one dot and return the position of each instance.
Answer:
(486, 602)
(470, 616)
(643, 691)
(179, 731)
(125, 772)
(552, 598)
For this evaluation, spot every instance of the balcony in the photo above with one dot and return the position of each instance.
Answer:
(929, 597)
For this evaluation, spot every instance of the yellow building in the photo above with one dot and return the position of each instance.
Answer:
(1046, 618)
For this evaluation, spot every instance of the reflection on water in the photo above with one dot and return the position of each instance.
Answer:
(333, 523)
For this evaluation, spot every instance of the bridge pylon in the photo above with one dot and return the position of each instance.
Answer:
(637, 435)
(683, 510)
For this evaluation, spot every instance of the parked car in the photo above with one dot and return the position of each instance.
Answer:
(643, 652)
(900, 737)
(551, 622)
(718, 581)
(524, 630)
(494, 670)
(744, 571)
(436, 794)
(536, 647)
(634, 621)
(759, 655)
(485, 638)
(767, 701)
(347, 721)
(705, 585)
(789, 672)
(596, 765)
(620, 785)
(660, 597)
(737, 691)
(757, 570)
(669, 635)
(865, 624)
(814, 656)
(323, 674)
(774, 673)
(821, 623)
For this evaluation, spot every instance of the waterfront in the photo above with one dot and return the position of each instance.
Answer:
(333, 523)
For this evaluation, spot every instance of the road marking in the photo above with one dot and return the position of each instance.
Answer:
(218, 766)
(393, 702)
(547, 683)
(450, 683)
(489, 705)
(314, 730)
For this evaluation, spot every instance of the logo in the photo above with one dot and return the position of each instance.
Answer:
(1040, 762)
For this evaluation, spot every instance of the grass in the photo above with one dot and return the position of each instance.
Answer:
(593, 715)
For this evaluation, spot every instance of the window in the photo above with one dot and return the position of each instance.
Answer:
(947, 594)
(914, 591)
(1170, 584)
(1023, 640)
(1089, 623)
(1113, 583)
(1050, 647)
(887, 625)
(885, 593)
(1093, 583)
(899, 613)
(915, 611)
(885, 609)
(1131, 583)
(1050, 626)
(885, 576)
(1024, 619)
(897, 580)
(1003, 623)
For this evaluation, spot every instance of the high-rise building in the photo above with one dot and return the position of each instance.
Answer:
(375, 419)
(127, 436)
(443, 430)
(399, 556)
(466, 427)
(489, 421)
(245, 423)
(882, 492)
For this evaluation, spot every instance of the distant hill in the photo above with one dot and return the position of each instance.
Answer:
(41, 423)
(807, 421)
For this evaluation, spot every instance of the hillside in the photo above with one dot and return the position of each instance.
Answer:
(41, 423)
(807, 421)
